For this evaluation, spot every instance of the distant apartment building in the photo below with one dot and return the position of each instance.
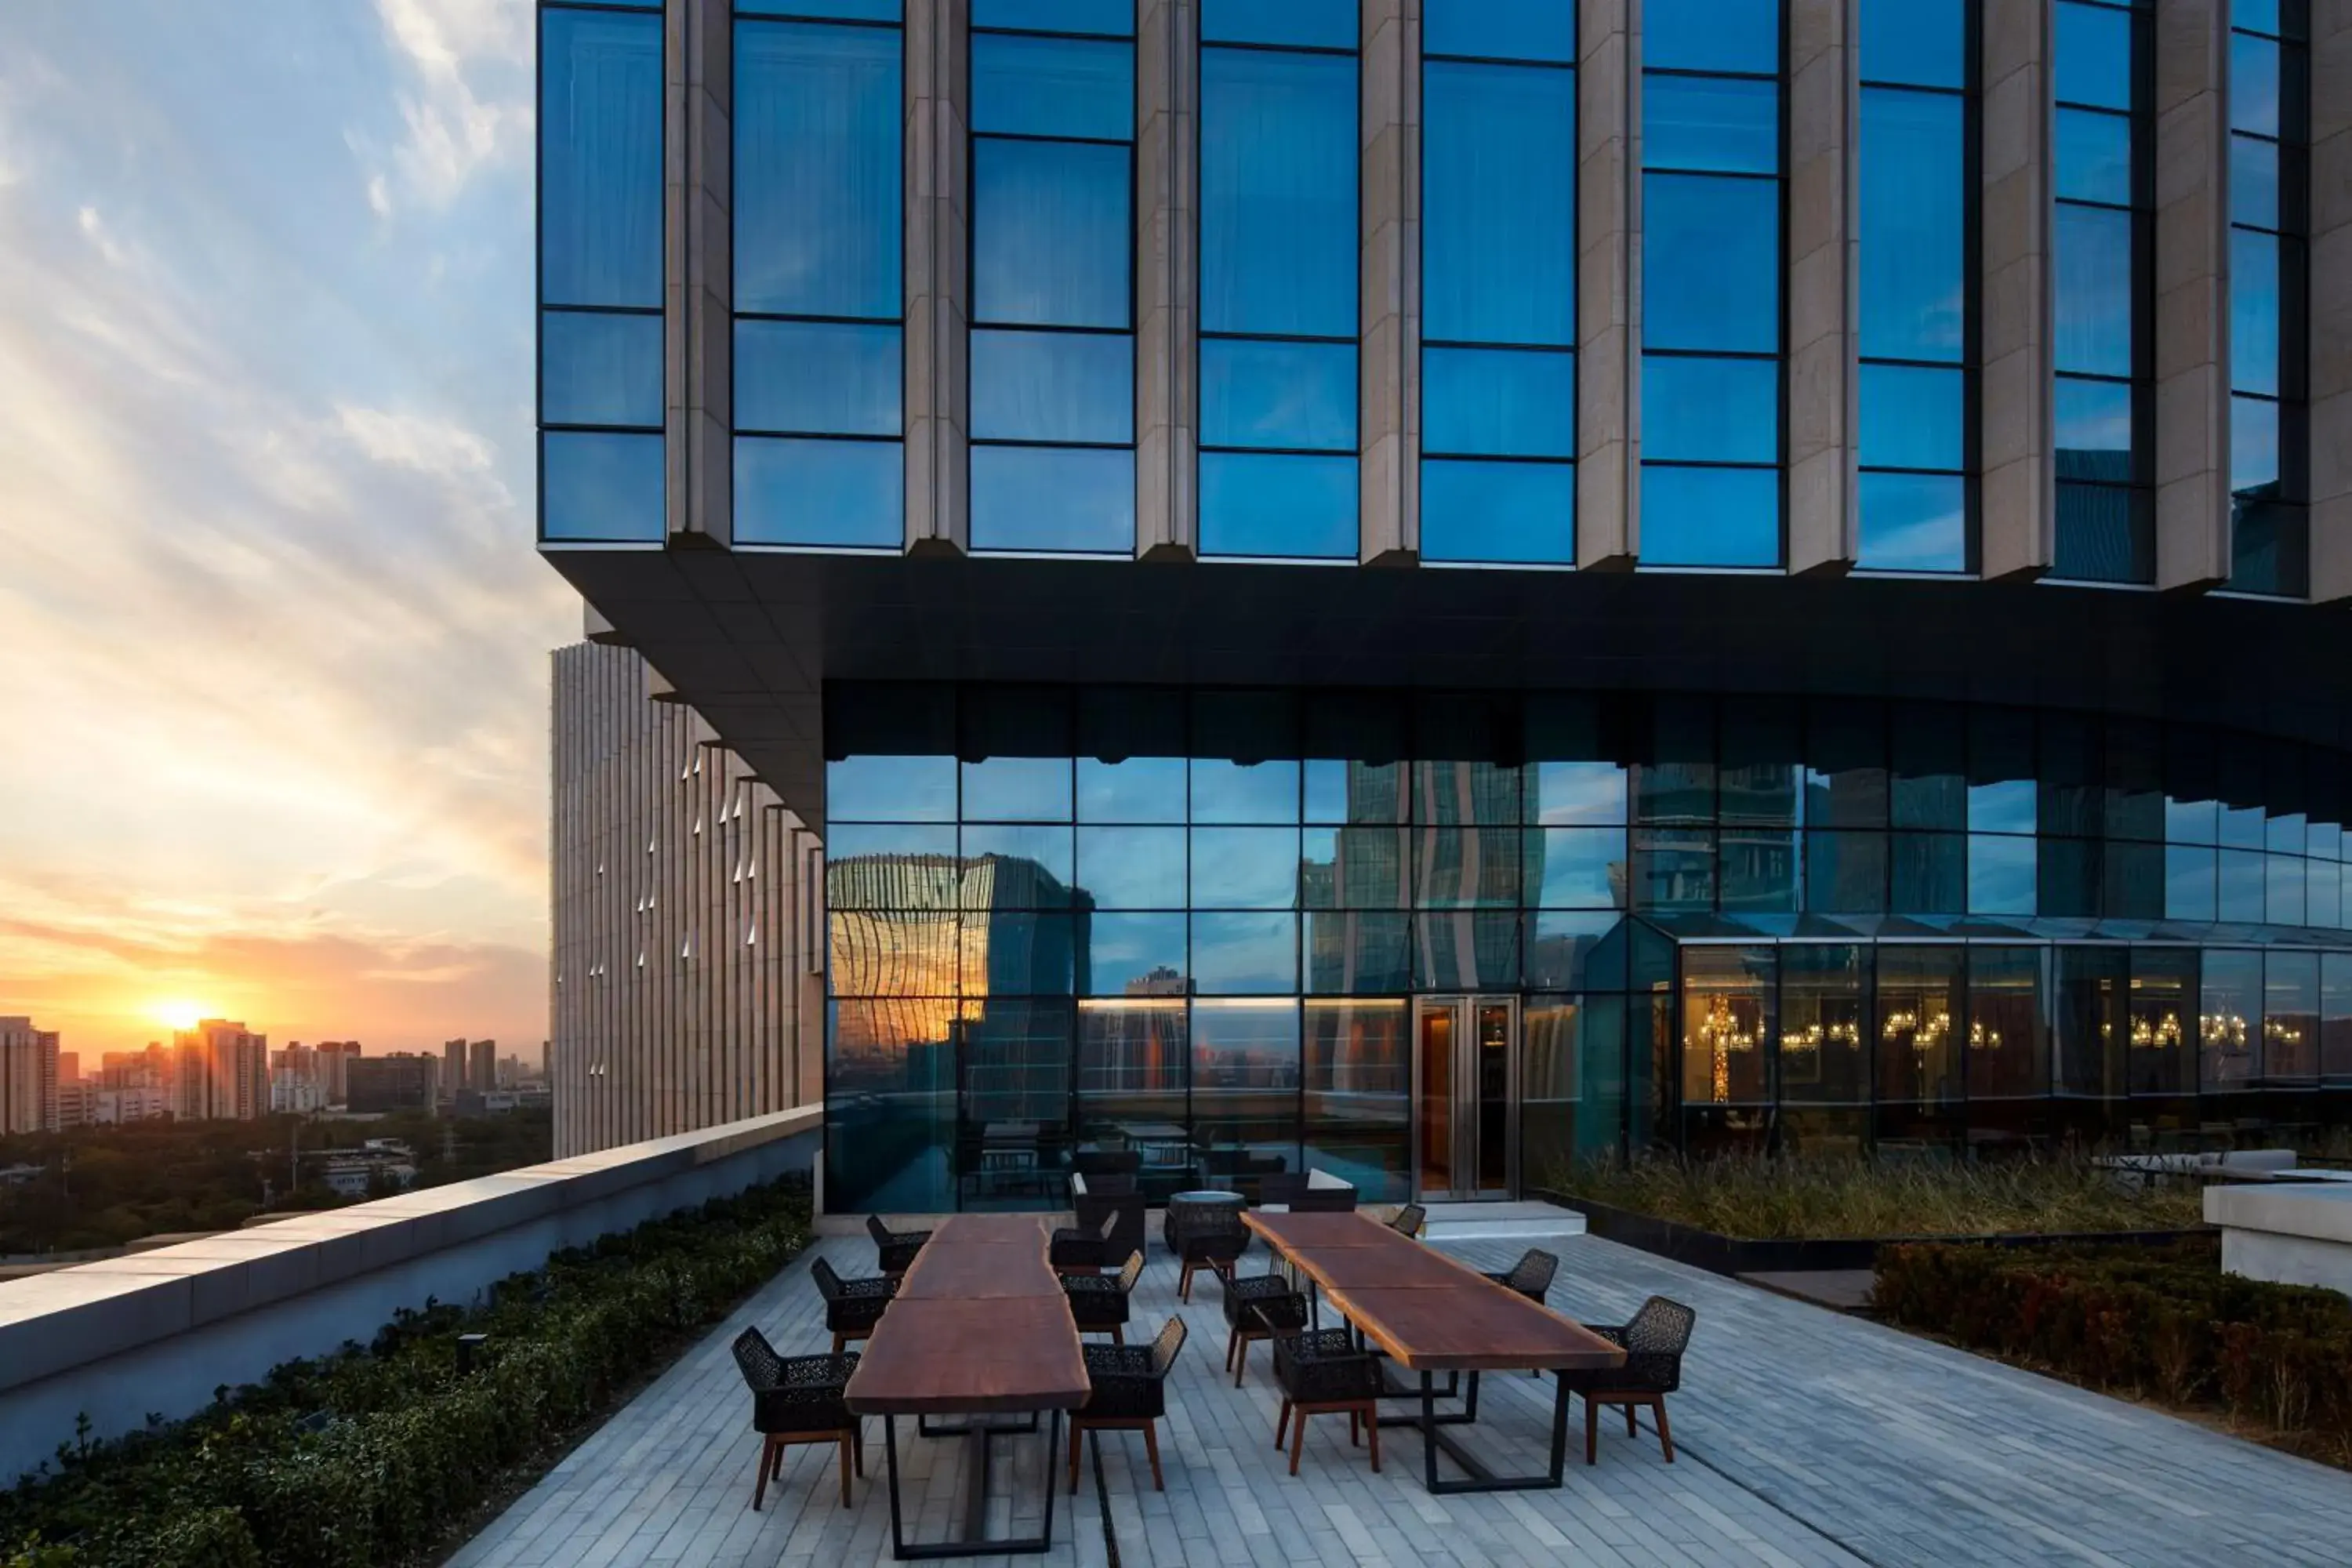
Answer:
(453, 1068)
(68, 1068)
(132, 1085)
(482, 1066)
(401, 1081)
(221, 1072)
(688, 984)
(334, 1059)
(28, 1076)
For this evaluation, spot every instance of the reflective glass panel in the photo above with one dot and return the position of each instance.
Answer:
(1017, 789)
(2254, 312)
(1918, 43)
(1049, 386)
(1278, 175)
(2008, 1046)
(1132, 868)
(1052, 87)
(1498, 512)
(1135, 954)
(1567, 793)
(2255, 85)
(2003, 876)
(891, 1111)
(1254, 503)
(1462, 867)
(1711, 263)
(1245, 868)
(1498, 236)
(1712, 35)
(1718, 124)
(2092, 306)
(1500, 403)
(1728, 997)
(1112, 16)
(2228, 1025)
(600, 119)
(2188, 882)
(598, 486)
(597, 369)
(1357, 952)
(1710, 517)
(1051, 233)
(1067, 499)
(1824, 1024)
(2291, 1026)
(1354, 868)
(1245, 954)
(2094, 430)
(818, 175)
(1912, 221)
(2094, 55)
(890, 789)
(1913, 417)
(1920, 1008)
(1357, 1088)
(1576, 868)
(2095, 157)
(1132, 789)
(1316, 24)
(1913, 522)
(818, 378)
(1245, 792)
(1009, 867)
(1279, 395)
(1710, 410)
(1500, 29)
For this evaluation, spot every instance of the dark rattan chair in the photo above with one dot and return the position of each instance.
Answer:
(852, 1307)
(1282, 1187)
(1093, 1162)
(1655, 1341)
(1098, 1303)
(1261, 1306)
(1129, 1393)
(1120, 1209)
(1531, 1274)
(1081, 1248)
(798, 1400)
(1410, 1220)
(897, 1248)
(1204, 1236)
(1325, 1200)
(1323, 1373)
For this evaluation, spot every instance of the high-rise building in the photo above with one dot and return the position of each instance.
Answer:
(221, 1072)
(68, 1068)
(1547, 577)
(482, 1066)
(453, 1068)
(401, 1081)
(28, 1076)
(335, 1057)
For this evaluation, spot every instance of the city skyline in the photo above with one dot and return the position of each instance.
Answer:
(277, 672)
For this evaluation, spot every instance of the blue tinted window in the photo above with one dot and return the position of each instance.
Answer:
(1318, 23)
(1133, 789)
(1132, 868)
(1500, 29)
(1710, 410)
(846, 841)
(1499, 235)
(1912, 221)
(594, 486)
(1124, 949)
(1017, 789)
(1712, 35)
(1720, 124)
(1256, 504)
(1913, 416)
(890, 789)
(1113, 16)
(1245, 792)
(2254, 454)
(2092, 420)
(1052, 87)
(1711, 263)
(1914, 523)
(1918, 43)
(2106, 534)
(2253, 312)
(2002, 875)
(2095, 55)
(1053, 386)
(1498, 403)
(1278, 177)
(1245, 954)
(836, 493)
(1037, 870)
(1576, 868)
(1498, 512)
(817, 377)
(1284, 394)
(2094, 157)
(2254, 85)
(2091, 303)
(599, 369)
(818, 178)
(1566, 794)
(2240, 893)
(2254, 181)
(1245, 868)
(1073, 499)
(1710, 517)
(600, 123)
(1050, 233)
(847, 10)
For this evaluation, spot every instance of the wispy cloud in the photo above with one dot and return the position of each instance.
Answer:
(467, 104)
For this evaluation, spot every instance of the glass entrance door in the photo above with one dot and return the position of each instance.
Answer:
(1466, 1127)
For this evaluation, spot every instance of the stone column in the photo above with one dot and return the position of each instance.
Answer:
(698, 245)
(1166, 260)
(2331, 299)
(939, 277)
(2019, 484)
(1822, 258)
(2192, 294)
(1608, 284)
(1389, 376)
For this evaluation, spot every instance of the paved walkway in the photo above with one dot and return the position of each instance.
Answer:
(1804, 1437)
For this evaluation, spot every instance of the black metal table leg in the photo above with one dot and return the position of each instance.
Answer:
(1479, 1478)
(978, 1435)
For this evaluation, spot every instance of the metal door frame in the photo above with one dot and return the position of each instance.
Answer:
(1464, 1006)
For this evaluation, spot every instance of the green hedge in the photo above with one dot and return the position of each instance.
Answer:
(2158, 1323)
(368, 1455)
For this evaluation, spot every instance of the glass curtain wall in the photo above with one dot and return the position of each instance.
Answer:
(1499, 282)
(2270, 128)
(2101, 267)
(1052, 260)
(1916, 223)
(601, 393)
(1279, 248)
(1712, 294)
(819, 311)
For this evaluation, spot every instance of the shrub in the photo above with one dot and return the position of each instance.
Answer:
(2162, 1320)
(366, 1456)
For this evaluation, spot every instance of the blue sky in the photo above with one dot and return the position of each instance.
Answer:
(272, 635)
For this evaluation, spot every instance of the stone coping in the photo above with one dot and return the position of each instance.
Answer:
(2316, 1211)
(69, 1316)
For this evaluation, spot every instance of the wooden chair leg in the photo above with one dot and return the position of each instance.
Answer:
(1282, 1426)
(1297, 1439)
(1185, 1284)
(1075, 1429)
(1372, 1433)
(1355, 1430)
(1666, 1436)
(1631, 1430)
(1591, 1430)
(1117, 1335)
(846, 1463)
(1151, 1450)
(767, 1457)
(1241, 1359)
(1233, 1341)
(838, 1342)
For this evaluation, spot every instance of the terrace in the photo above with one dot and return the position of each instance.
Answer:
(1801, 1436)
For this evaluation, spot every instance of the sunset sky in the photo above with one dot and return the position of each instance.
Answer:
(272, 637)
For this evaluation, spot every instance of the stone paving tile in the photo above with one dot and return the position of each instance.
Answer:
(1804, 1439)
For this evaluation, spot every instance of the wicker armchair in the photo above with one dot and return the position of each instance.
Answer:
(896, 1248)
(852, 1307)
(1109, 1224)
(799, 1400)
(1410, 1220)
(1531, 1274)
(1655, 1341)
(1322, 1372)
(1325, 1200)
(1261, 1306)
(1204, 1236)
(1129, 1393)
(1079, 1248)
(1098, 1303)
(1282, 1187)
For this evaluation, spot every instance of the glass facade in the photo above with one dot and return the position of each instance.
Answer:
(1053, 213)
(2270, 130)
(601, 393)
(1713, 145)
(1278, 262)
(1915, 220)
(1498, 283)
(819, 324)
(2101, 236)
(1199, 923)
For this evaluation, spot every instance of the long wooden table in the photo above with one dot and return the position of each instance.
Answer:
(979, 1327)
(1430, 1314)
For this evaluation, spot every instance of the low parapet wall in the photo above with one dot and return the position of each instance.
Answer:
(2290, 1233)
(157, 1332)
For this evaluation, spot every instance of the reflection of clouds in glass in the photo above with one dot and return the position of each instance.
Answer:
(1246, 952)
(2254, 443)
(1914, 523)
